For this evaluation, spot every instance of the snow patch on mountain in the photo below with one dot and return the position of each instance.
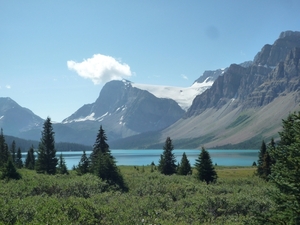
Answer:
(184, 96)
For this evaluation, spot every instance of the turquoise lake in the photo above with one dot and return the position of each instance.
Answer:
(145, 157)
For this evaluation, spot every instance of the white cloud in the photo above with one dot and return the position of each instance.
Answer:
(100, 69)
(8, 86)
(184, 77)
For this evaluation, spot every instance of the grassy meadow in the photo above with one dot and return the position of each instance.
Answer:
(152, 198)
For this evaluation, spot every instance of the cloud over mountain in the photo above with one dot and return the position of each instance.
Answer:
(100, 68)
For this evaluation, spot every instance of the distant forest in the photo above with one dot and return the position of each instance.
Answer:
(24, 145)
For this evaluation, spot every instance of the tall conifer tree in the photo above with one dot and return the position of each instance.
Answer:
(47, 160)
(205, 169)
(167, 163)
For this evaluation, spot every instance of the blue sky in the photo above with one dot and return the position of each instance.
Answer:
(55, 55)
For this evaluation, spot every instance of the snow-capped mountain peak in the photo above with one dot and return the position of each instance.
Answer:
(184, 96)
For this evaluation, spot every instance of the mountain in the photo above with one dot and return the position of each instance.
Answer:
(245, 104)
(184, 96)
(124, 110)
(15, 119)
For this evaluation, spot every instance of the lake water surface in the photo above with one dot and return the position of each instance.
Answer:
(146, 156)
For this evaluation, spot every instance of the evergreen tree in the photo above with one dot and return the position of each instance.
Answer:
(62, 167)
(100, 146)
(19, 162)
(103, 164)
(167, 162)
(47, 160)
(184, 166)
(4, 152)
(9, 171)
(30, 159)
(84, 164)
(261, 155)
(13, 151)
(285, 173)
(205, 169)
(264, 160)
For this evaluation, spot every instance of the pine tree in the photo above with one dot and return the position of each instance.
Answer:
(30, 159)
(100, 146)
(205, 169)
(47, 160)
(13, 151)
(84, 165)
(19, 162)
(285, 173)
(184, 166)
(264, 160)
(261, 155)
(4, 152)
(167, 162)
(9, 171)
(62, 167)
(103, 164)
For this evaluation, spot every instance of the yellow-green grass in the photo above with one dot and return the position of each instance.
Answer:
(229, 172)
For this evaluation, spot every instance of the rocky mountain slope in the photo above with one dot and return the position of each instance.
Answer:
(245, 104)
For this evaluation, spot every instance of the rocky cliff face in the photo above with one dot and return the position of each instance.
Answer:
(271, 55)
(270, 74)
(285, 78)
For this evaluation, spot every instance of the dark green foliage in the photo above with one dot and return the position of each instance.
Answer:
(47, 160)
(261, 155)
(84, 164)
(264, 160)
(19, 162)
(4, 152)
(13, 151)
(100, 146)
(30, 159)
(205, 169)
(152, 199)
(184, 166)
(62, 167)
(9, 171)
(285, 173)
(167, 162)
(103, 164)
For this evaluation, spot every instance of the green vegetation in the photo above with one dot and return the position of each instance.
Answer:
(47, 160)
(184, 167)
(285, 174)
(241, 119)
(205, 169)
(167, 161)
(153, 198)
(99, 192)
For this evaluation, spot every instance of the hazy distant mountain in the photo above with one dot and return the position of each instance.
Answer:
(15, 119)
